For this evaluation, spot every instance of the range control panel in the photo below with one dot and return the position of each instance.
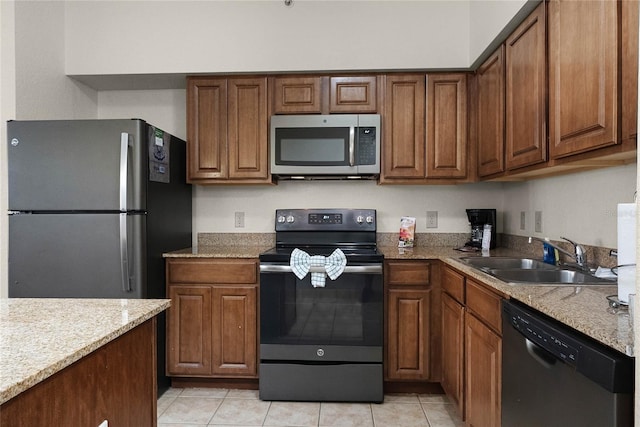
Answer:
(325, 220)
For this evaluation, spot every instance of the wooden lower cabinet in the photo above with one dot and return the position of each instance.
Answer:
(453, 350)
(189, 328)
(483, 374)
(471, 348)
(407, 346)
(212, 329)
(412, 344)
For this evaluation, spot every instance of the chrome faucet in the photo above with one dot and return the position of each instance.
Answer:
(580, 255)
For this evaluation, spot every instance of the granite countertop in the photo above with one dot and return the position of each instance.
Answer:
(219, 251)
(584, 308)
(41, 336)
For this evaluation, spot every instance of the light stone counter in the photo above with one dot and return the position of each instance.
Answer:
(40, 337)
(584, 308)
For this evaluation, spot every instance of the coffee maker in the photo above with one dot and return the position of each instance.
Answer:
(478, 218)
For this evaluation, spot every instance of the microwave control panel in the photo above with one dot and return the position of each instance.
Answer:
(366, 146)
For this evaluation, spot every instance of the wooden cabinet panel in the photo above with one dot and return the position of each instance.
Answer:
(583, 76)
(484, 304)
(213, 271)
(408, 334)
(189, 330)
(483, 374)
(297, 95)
(453, 284)
(357, 94)
(207, 128)
(526, 83)
(403, 127)
(247, 115)
(408, 273)
(453, 350)
(490, 114)
(234, 331)
(227, 131)
(446, 126)
(629, 69)
(212, 327)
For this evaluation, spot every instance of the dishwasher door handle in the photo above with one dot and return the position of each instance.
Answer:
(539, 354)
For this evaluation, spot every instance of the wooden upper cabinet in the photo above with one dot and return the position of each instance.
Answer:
(526, 83)
(248, 131)
(403, 127)
(293, 95)
(583, 76)
(357, 94)
(227, 130)
(629, 69)
(446, 126)
(207, 128)
(490, 114)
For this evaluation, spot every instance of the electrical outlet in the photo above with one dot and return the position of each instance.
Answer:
(432, 219)
(538, 227)
(523, 221)
(239, 219)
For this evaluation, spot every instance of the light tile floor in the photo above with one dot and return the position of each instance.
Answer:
(199, 407)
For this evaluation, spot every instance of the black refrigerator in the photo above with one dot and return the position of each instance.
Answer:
(93, 204)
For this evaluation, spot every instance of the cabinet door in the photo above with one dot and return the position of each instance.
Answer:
(583, 79)
(189, 330)
(483, 374)
(453, 350)
(408, 334)
(234, 331)
(356, 94)
(403, 127)
(247, 120)
(206, 128)
(297, 95)
(526, 83)
(629, 69)
(446, 126)
(490, 114)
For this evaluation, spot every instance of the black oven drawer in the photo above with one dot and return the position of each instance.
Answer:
(348, 382)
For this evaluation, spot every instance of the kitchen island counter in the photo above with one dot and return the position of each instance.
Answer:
(41, 337)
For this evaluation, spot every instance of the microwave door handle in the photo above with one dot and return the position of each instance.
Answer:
(352, 146)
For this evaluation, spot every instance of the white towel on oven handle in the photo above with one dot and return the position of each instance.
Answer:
(301, 263)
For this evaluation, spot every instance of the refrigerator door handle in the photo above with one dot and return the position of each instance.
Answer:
(124, 168)
(124, 253)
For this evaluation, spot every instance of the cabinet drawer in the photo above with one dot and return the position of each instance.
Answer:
(408, 272)
(453, 284)
(484, 304)
(224, 271)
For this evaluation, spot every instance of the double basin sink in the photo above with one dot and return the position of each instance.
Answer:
(526, 271)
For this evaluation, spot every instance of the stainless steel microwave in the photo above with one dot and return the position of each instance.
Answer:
(316, 146)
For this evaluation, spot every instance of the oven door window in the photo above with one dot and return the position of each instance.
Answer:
(312, 146)
(347, 311)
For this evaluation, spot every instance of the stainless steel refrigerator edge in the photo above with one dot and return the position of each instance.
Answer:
(93, 204)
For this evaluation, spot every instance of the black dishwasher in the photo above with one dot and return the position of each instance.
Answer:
(553, 375)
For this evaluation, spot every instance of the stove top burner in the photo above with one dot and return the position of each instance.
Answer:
(321, 231)
(353, 254)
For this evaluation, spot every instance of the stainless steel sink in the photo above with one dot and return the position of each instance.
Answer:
(555, 277)
(504, 263)
(533, 272)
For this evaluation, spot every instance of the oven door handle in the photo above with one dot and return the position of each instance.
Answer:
(358, 269)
